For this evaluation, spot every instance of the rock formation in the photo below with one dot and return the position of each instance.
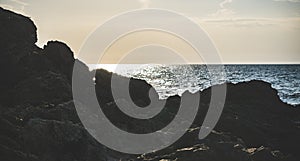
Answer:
(38, 120)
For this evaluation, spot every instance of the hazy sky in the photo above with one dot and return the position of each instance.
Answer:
(244, 31)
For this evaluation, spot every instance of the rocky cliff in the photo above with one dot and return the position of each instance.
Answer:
(38, 120)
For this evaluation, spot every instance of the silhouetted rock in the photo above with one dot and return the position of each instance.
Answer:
(49, 87)
(53, 140)
(23, 65)
(255, 125)
(15, 155)
(61, 55)
(138, 89)
(38, 119)
(18, 35)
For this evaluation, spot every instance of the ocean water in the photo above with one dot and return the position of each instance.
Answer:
(170, 80)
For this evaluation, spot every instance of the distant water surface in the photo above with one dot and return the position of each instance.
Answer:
(175, 79)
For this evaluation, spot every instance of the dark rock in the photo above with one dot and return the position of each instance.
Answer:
(9, 142)
(48, 87)
(263, 153)
(38, 120)
(61, 112)
(54, 140)
(138, 89)
(8, 129)
(22, 62)
(14, 34)
(8, 154)
(61, 55)
(249, 119)
(18, 35)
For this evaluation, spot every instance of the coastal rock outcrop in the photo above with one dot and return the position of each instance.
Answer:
(39, 122)
(18, 35)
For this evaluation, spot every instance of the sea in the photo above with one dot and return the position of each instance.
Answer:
(171, 80)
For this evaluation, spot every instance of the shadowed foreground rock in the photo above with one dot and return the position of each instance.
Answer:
(38, 120)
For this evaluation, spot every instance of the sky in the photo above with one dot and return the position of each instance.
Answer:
(243, 31)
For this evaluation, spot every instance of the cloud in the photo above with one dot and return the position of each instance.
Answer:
(223, 11)
(20, 2)
(222, 4)
(145, 3)
(292, 23)
(242, 22)
(17, 5)
(287, 1)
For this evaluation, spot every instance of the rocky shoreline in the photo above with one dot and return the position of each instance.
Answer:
(38, 120)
